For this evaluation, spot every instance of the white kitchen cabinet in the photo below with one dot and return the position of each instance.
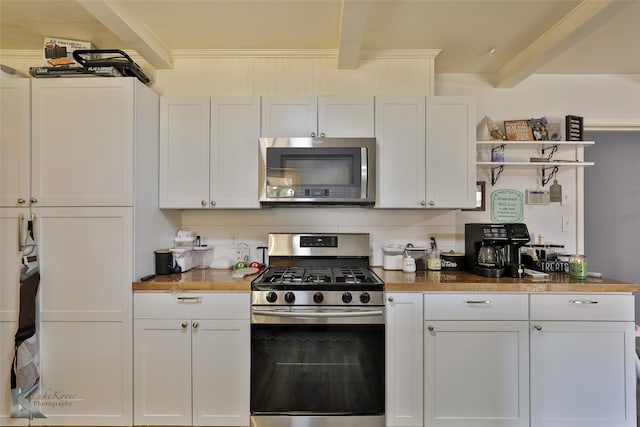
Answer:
(432, 141)
(90, 136)
(82, 142)
(582, 361)
(323, 116)
(209, 152)
(476, 360)
(191, 359)
(451, 152)
(404, 363)
(15, 140)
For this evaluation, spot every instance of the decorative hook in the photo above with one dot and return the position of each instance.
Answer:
(545, 180)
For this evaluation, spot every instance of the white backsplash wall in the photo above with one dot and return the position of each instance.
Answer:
(220, 227)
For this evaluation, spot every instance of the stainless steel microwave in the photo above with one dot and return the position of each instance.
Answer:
(313, 171)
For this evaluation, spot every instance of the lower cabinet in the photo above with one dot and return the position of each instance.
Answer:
(582, 361)
(191, 359)
(476, 367)
(404, 362)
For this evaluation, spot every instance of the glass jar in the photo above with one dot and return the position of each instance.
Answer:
(578, 267)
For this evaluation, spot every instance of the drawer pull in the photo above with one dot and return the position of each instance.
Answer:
(475, 302)
(190, 299)
(184, 325)
(430, 328)
(583, 301)
(537, 327)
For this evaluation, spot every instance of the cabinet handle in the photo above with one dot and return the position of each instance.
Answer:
(583, 301)
(21, 201)
(33, 200)
(322, 135)
(537, 327)
(432, 203)
(189, 299)
(184, 325)
(390, 299)
(213, 203)
(203, 203)
(430, 328)
(195, 325)
(472, 302)
(20, 238)
(423, 203)
(313, 134)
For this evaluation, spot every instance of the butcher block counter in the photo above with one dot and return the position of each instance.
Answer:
(395, 281)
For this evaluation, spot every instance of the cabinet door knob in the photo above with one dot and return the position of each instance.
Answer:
(203, 203)
(313, 134)
(213, 203)
(322, 135)
(430, 328)
(422, 203)
(432, 203)
(33, 200)
(184, 325)
(195, 325)
(21, 201)
(537, 327)
(390, 299)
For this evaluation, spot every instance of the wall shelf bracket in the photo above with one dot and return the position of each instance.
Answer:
(546, 179)
(496, 175)
(553, 149)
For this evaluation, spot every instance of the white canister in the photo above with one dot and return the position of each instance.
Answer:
(182, 259)
(408, 264)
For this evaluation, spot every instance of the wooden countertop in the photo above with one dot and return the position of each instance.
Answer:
(398, 281)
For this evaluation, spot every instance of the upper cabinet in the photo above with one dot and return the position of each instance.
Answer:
(15, 137)
(209, 152)
(426, 152)
(68, 144)
(324, 116)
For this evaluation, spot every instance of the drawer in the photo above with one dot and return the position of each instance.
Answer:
(493, 306)
(582, 307)
(191, 305)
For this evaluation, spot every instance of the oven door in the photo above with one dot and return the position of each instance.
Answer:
(321, 363)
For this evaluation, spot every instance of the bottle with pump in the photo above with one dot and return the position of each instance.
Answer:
(433, 262)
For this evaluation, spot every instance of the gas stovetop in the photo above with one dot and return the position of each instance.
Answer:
(310, 277)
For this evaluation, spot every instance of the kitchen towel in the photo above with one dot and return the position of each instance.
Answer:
(25, 370)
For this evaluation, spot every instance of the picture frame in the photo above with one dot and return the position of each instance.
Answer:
(518, 130)
(480, 197)
(539, 129)
(574, 128)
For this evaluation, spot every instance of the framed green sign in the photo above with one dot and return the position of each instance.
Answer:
(507, 206)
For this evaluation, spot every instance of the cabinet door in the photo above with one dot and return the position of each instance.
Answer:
(583, 374)
(451, 155)
(400, 133)
(235, 129)
(221, 366)
(82, 148)
(404, 363)
(289, 116)
(184, 152)
(162, 372)
(476, 374)
(15, 141)
(345, 116)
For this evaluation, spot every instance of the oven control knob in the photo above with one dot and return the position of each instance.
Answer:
(365, 297)
(318, 297)
(289, 297)
(272, 297)
(346, 297)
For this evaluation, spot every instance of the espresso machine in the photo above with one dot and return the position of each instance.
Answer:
(493, 250)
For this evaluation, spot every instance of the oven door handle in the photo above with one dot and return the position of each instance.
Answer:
(317, 315)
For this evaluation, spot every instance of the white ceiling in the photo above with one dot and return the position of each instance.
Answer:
(529, 36)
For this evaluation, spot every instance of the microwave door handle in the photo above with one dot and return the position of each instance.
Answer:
(317, 315)
(363, 173)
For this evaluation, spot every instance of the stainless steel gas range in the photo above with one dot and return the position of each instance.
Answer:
(317, 334)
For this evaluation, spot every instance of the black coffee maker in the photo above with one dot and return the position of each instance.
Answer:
(493, 250)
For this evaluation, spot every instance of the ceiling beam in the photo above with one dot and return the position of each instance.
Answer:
(585, 18)
(128, 27)
(352, 23)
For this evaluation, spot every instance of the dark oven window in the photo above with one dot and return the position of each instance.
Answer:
(335, 369)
